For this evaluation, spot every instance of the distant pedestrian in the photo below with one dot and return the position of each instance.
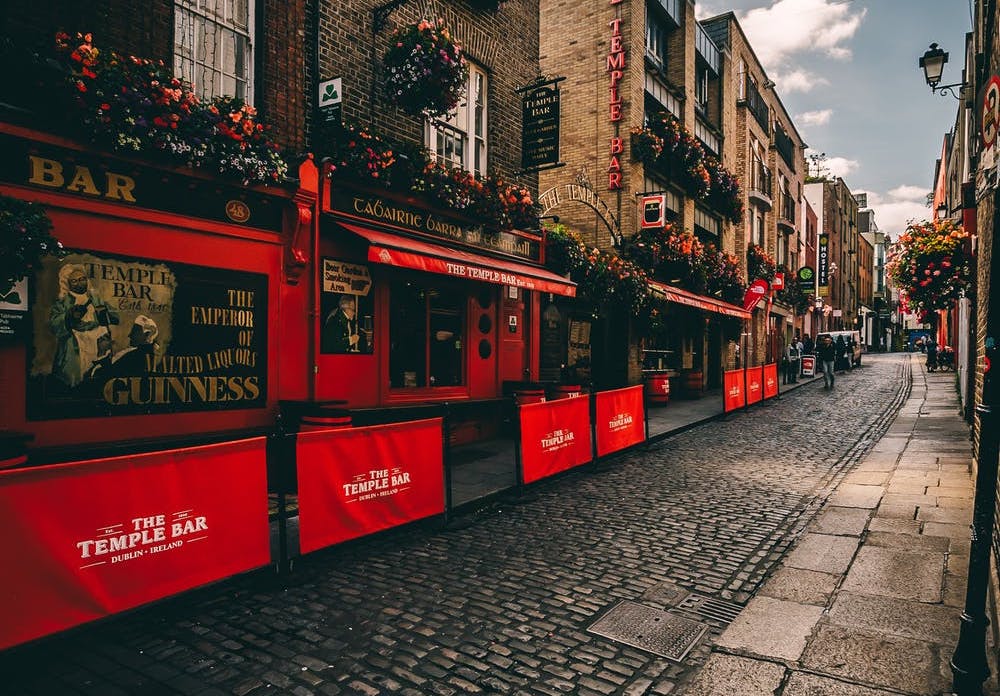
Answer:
(827, 353)
(840, 350)
(930, 347)
(807, 345)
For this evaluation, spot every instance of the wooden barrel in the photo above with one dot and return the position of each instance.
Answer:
(325, 420)
(694, 382)
(657, 389)
(564, 391)
(529, 396)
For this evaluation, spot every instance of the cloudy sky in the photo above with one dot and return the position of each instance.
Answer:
(847, 72)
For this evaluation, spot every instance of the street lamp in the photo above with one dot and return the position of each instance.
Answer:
(942, 210)
(933, 62)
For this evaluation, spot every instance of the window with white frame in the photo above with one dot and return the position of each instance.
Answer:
(701, 87)
(656, 40)
(459, 139)
(213, 47)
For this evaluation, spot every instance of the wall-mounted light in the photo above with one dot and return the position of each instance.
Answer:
(933, 62)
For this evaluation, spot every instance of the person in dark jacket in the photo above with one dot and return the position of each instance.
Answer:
(840, 349)
(826, 353)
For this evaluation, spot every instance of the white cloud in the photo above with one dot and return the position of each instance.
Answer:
(815, 118)
(840, 166)
(798, 80)
(895, 209)
(789, 27)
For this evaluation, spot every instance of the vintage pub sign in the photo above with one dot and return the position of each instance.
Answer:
(616, 70)
(540, 126)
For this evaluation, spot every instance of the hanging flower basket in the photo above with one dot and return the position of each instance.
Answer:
(425, 69)
(25, 238)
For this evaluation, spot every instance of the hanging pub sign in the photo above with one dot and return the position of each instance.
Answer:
(115, 336)
(778, 282)
(654, 210)
(540, 126)
(806, 278)
(823, 265)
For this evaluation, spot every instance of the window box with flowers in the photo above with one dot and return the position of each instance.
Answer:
(425, 71)
(137, 106)
(759, 264)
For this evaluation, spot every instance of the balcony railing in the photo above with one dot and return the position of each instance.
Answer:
(786, 210)
(785, 147)
(760, 183)
(672, 8)
(754, 101)
(707, 49)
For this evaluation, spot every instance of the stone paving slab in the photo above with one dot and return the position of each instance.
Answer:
(804, 684)
(946, 516)
(772, 628)
(895, 573)
(933, 623)
(726, 675)
(858, 496)
(894, 525)
(845, 521)
(908, 542)
(823, 552)
(802, 586)
(885, 661)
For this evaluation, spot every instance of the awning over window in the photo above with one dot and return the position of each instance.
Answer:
(404, 252)
(709, 304)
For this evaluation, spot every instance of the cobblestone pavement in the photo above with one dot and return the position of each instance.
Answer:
(501, 603)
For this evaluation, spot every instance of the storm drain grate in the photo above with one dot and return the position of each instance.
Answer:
(649, 629)
(712, 609)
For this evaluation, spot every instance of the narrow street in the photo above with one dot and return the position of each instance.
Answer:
(501, 602)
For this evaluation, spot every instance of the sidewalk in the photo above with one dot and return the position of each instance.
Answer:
(485, 469)
(868, 602)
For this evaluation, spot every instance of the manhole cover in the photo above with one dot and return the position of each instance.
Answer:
(649, 629)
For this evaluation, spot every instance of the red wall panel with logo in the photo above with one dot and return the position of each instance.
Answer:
(755, 384)
(620, 419)
(88, 539)
(555, 436)
(734, 394)
(770, 380)
(357, 481)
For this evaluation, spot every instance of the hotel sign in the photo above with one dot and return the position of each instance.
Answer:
(374, 208)
(823, 265)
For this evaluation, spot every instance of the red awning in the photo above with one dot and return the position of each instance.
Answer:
(709, 304)
(404, 252)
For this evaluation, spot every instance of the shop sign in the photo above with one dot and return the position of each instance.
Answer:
(46, 167)
(13, 311)
(347, 306)
(615, 67)
(115, 336)
(754, 294)
(373, 208)
(778, 282)
(330, 100)
(808, 365)
(823, 264)
(654, 210)
(540, 127)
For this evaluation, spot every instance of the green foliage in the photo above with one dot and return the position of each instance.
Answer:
(25, 239)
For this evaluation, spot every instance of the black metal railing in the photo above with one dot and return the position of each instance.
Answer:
(785, 147)
(755, 102)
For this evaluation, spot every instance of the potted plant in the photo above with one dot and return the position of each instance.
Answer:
(425, 69)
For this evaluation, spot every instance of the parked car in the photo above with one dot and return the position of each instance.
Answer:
(853, 341)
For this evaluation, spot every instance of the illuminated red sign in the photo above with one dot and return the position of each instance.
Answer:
(616, 69)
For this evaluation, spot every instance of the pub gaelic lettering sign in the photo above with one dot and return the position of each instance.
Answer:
(373, 208)
(117, 336)
(540, 127)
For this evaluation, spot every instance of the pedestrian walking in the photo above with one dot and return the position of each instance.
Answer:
(840, 351)
(931, 348)
(827, 354)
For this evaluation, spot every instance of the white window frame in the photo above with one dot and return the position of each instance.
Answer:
(458, 139)
(656, 40)
(190, 16)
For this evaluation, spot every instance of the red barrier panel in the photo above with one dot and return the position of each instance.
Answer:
(357, 481)
(88, 539)
(734, 395)
(755, 384)
(770, 380)
(620, 419)
(555, 436)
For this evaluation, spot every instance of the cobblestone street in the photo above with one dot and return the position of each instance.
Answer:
(501, 601)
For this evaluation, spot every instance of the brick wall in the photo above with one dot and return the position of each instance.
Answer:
(146, 29)
(505, 44)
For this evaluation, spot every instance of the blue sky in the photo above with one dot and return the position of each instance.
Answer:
(846, 71)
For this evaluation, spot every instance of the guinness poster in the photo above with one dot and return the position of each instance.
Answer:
(117, 336)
